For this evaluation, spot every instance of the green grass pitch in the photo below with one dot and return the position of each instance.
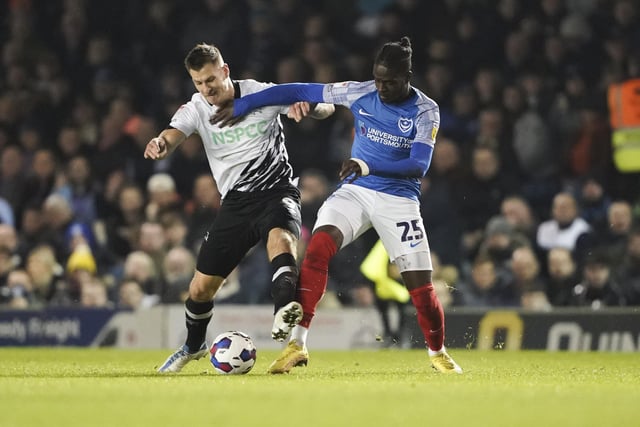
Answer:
(116, 388)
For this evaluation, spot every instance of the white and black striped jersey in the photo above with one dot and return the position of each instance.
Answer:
(248, 156)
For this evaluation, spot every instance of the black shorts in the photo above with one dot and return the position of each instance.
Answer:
(243, 220)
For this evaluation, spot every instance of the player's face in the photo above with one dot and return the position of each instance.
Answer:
(212, 81)
(392, 87)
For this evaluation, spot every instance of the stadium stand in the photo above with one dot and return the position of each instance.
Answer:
(527, 93)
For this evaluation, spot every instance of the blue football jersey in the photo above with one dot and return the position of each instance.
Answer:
(386, 132)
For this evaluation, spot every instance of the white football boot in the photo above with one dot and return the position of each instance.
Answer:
(285, 319)
(181, 357)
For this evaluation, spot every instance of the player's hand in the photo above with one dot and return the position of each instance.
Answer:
(299, 110)
(223, 117)
(349, 167)
(156, 149)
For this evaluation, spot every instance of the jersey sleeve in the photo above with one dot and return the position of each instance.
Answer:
(344, 93)
(282, 94)
(415, 166)
(185, 119)
(251, 86)
(427, 125)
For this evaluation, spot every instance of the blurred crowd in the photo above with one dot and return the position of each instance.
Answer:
(522, 204)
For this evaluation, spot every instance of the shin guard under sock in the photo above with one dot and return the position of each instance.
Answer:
(314, 273)
(430, 315)
(197, 315)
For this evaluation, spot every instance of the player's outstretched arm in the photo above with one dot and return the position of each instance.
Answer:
(282, 94)
(162, 145)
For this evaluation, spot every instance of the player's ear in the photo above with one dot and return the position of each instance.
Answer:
(225, 68)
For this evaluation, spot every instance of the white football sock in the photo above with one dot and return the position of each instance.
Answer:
(299, 334)
(435, 353)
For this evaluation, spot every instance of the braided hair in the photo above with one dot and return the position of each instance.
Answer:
(396, 55)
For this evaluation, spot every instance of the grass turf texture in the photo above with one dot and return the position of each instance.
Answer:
(106, 387)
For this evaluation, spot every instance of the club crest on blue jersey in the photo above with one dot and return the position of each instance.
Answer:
(362, 127)
(405, 125)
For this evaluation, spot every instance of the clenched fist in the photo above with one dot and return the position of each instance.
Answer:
(156, 149)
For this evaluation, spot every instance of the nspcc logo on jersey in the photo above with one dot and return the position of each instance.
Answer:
(405, 125)
(382, 137)
(239, 132)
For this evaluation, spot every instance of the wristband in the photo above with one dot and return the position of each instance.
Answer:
(363, 166)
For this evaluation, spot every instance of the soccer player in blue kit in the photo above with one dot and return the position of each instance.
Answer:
(395, 129)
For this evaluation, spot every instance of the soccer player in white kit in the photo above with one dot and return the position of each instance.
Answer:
(259, 200)
(395, 129)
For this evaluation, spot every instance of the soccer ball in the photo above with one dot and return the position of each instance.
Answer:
(233, 352)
